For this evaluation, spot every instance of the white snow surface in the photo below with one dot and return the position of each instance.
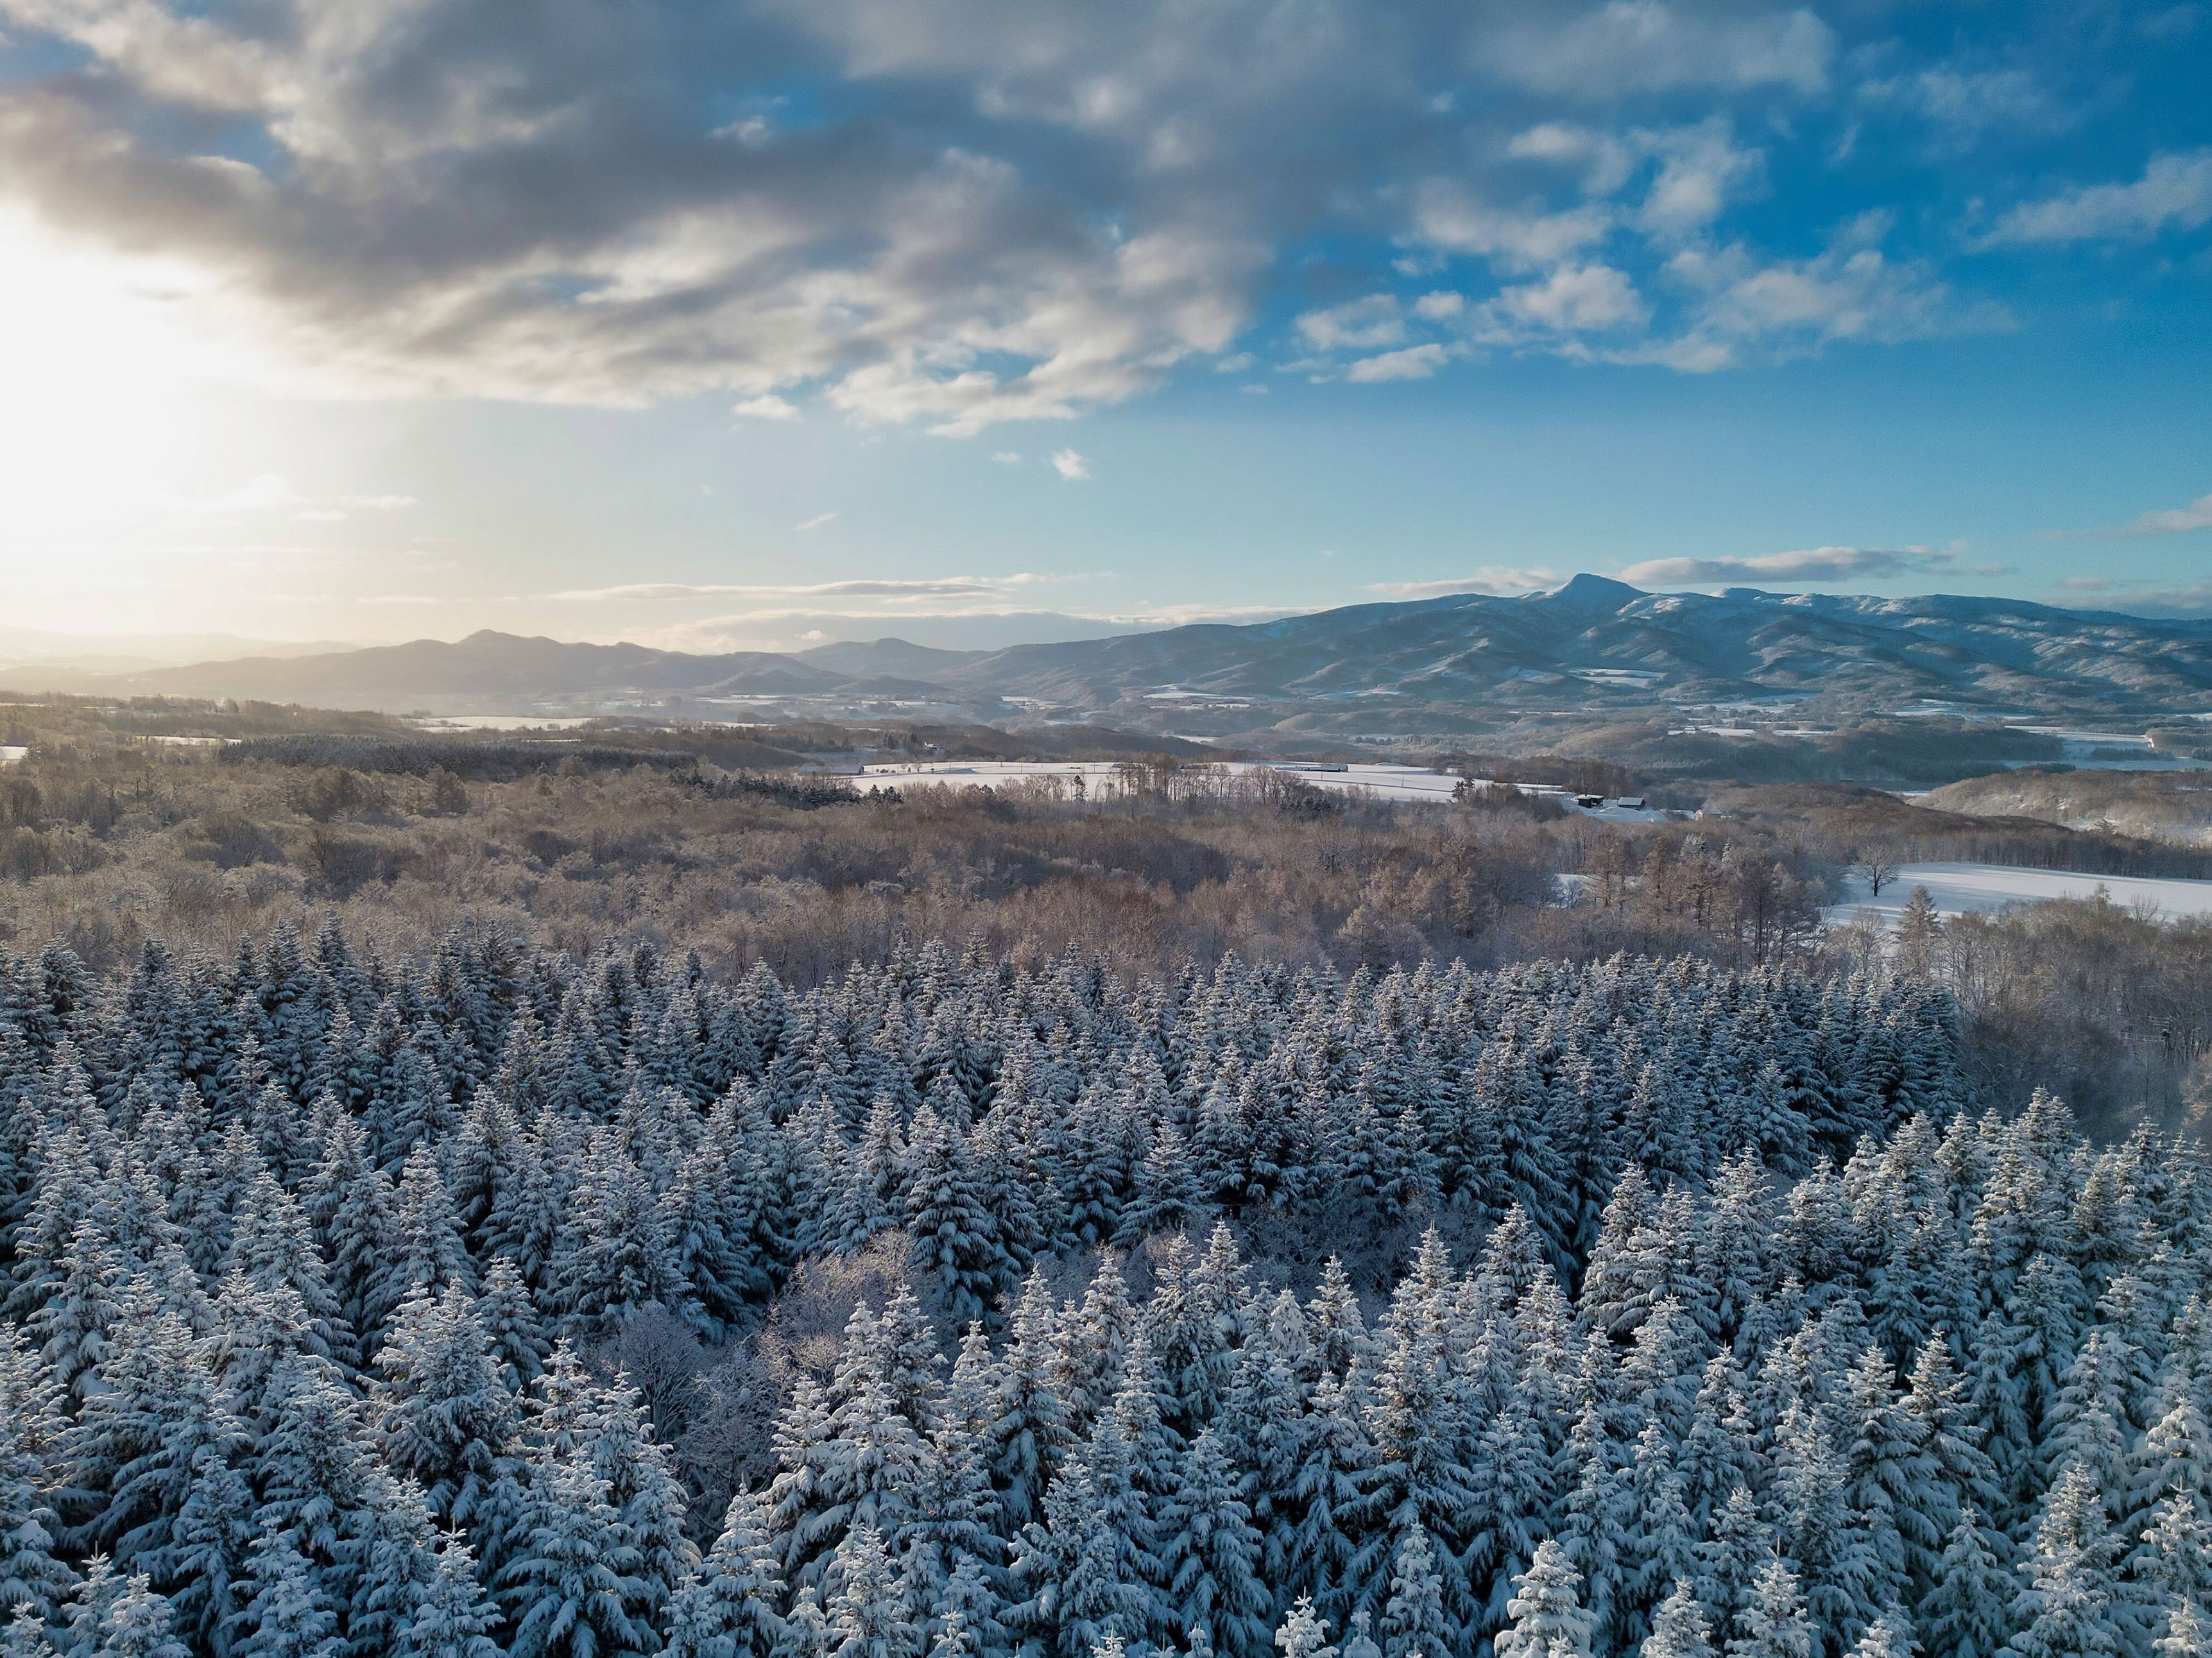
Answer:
(1386, 781)
(1964, 888)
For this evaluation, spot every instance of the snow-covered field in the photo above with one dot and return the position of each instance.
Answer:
(498, 722)
(1959, 889)
(1386, 781)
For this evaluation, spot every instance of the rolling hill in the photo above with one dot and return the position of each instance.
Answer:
(1594, 649)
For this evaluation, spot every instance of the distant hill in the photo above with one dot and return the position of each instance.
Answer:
(486, 664)
(1594, 648)
(2154, 805)
(1602, 642)
(892, 658)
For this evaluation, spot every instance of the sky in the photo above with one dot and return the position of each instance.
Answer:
(761, 323)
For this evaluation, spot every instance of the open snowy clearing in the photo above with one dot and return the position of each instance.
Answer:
(499, 722)
(1387, 782)
(1964, 889)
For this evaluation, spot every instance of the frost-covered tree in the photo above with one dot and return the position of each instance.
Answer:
(727, 1606)
(452, 1617)
(1546, 1617)
(568, 1588)
(1772, 1622)
(1679, 1628)
(1967, 1610)
(445, 1413)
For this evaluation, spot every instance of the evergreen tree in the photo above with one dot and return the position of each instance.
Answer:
(1679, 1628)
(445, 1413)
(727, 1606)
(1771, 1623)
(454, 1618)
(290, 1615)
(644, 1493)
(956, 1235)
(2188, 1633)
(1967, 1609)
(135, 1623)
(31, 1434)
(1414, 1622)
(567, 1588)
(2068, 1606)
(1889, 1636)
(1545, 1617)
(868, 1615)
(393, 1565)
(1302, 1635)
(1210, 1556)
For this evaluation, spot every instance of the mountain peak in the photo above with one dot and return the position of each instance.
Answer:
(1594, 592)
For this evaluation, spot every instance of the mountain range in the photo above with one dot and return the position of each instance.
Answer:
(1594, 647)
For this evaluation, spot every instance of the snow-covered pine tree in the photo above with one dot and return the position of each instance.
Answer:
(445, 1415)
(727, 1606)
(291, 1615)
(32, 1572)
(1544, 1617)
(1679, 1628)
(1415, 1622)
(869, 1617)
(453, 1618)
(568, 1587)
(1210, 1555)
(1966, 1612)
(1771, 1623)
(2070, 1605)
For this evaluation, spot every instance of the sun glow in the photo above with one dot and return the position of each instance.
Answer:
(97, 361)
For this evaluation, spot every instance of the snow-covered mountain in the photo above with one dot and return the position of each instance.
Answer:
(1600, 641)
(1594, 646)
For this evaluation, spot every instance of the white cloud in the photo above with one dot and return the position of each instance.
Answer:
(2140, 598)
(1490, 579)
(1449, 216)
(1415, 362)
(1007, 457)
(1573, 299)
(2171, 521)
(1033, 215)
(1743, 309)
(1701, 171)
(1965, 103)
(1604, 158)
(767, 406)
(1818, 565)
(2175, 190)
(1360, 325)
(936, 587)
(816, 522)
(1644, 45)
(1070, 465)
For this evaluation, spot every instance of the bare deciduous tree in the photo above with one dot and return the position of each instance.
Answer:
(1877, 869)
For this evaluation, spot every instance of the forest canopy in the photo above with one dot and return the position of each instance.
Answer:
(496, 1299)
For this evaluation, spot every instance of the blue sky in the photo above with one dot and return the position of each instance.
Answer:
(751, 325)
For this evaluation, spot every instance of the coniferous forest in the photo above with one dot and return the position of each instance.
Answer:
(502, 1301)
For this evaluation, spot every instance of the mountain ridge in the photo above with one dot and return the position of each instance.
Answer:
(1595, 645)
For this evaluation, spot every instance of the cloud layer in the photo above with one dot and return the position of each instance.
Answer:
(955, 213)
(1816, 565)
(2171, 521)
